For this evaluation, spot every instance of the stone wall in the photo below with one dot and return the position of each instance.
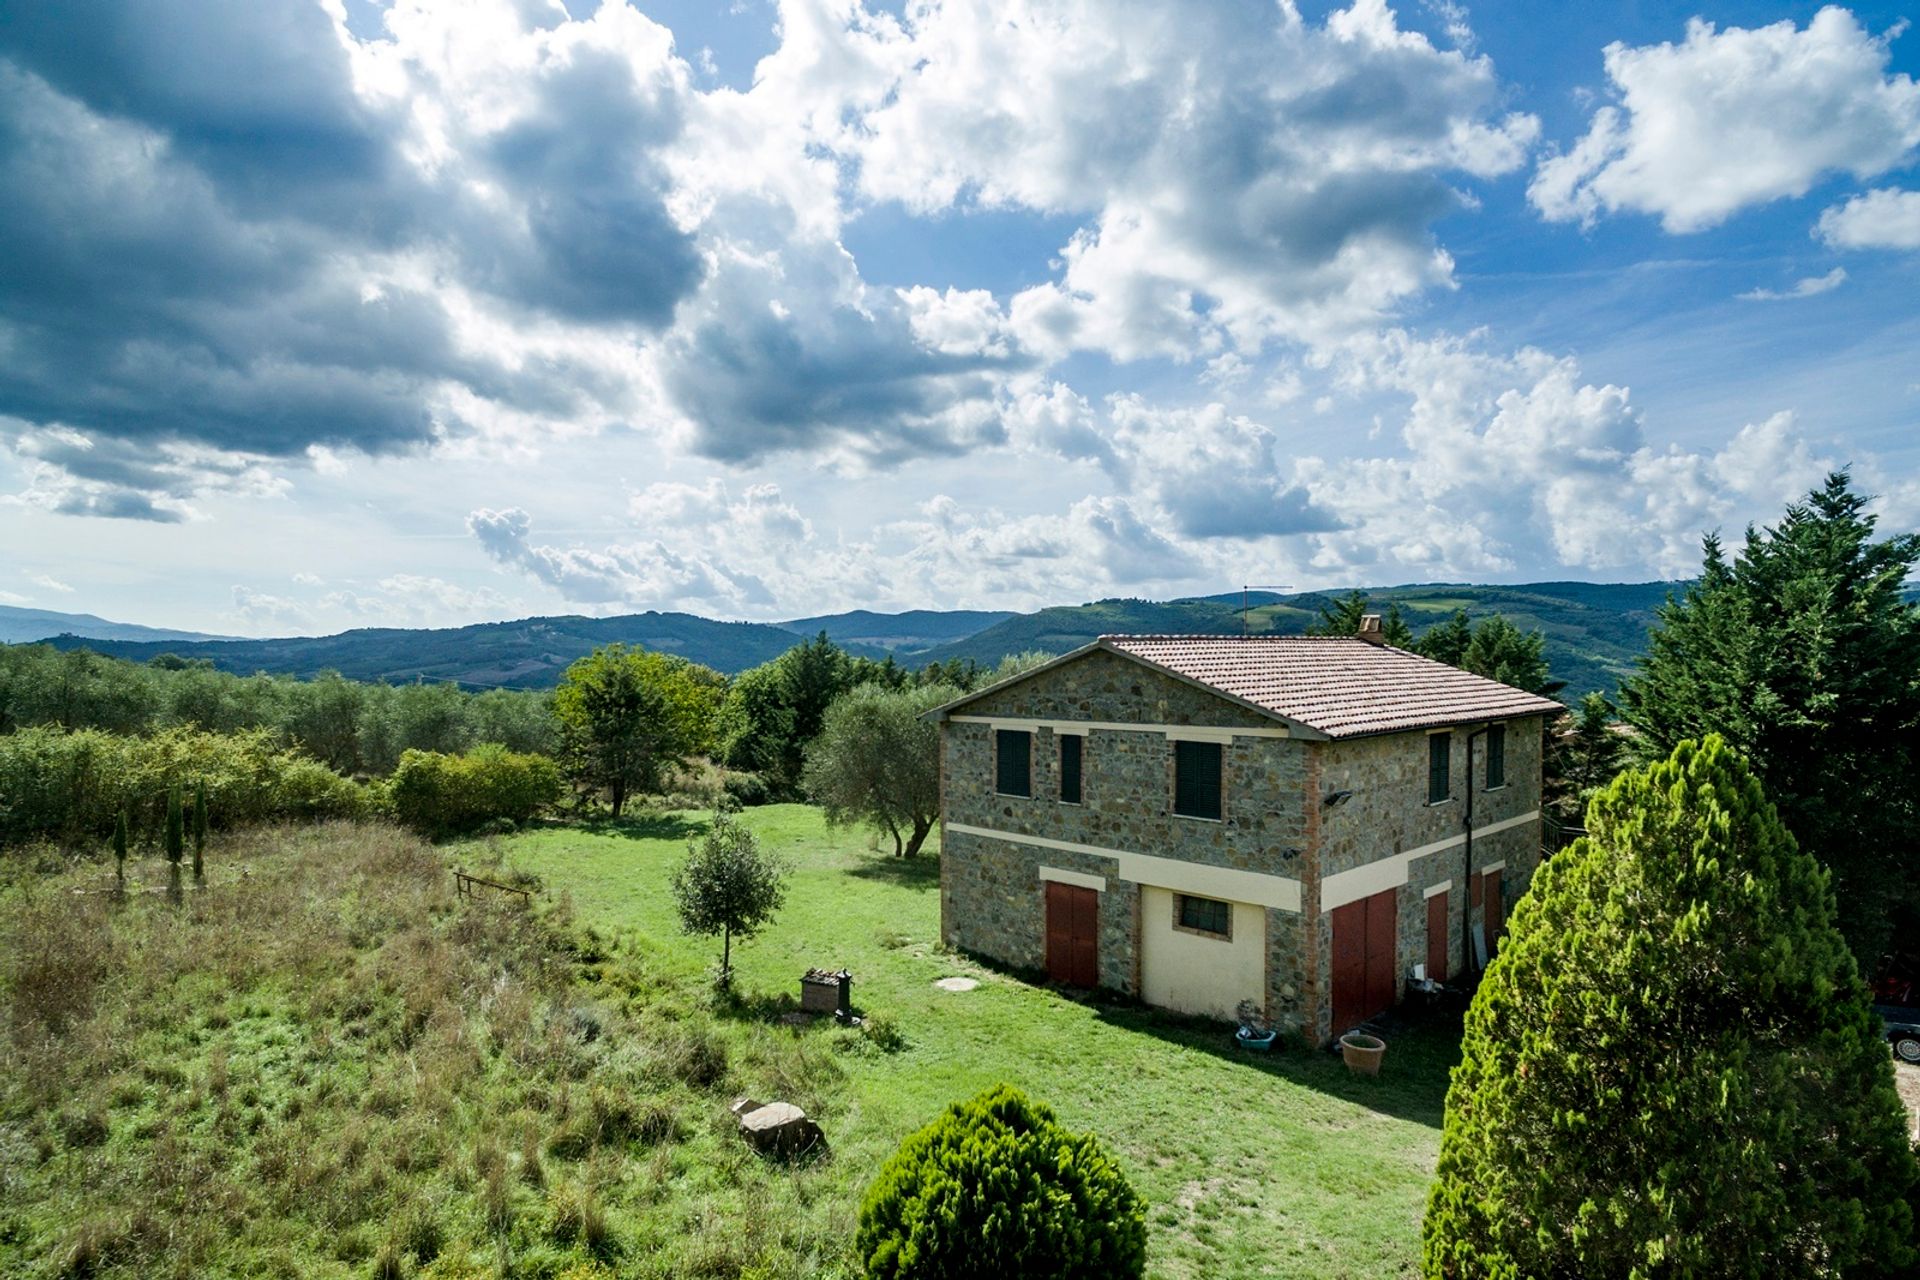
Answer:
(992, 898)
(1388, 815)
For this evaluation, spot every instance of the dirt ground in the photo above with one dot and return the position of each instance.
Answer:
(1908, 1079)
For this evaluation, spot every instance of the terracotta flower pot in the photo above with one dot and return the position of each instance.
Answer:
(1362, 1052)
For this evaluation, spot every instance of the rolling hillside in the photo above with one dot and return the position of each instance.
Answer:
(18, 625)
(1594, 632)
(527, 654)
(906, 633)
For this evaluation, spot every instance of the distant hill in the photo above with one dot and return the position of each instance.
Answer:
(17, 625)
(527, 654)
(906, 633)
(1594, 634)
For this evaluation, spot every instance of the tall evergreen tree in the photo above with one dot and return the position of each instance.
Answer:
(1447, 641)
(1802, 652)
(1672, 1068)
(120, 848)
(175, 831)
(199, 830)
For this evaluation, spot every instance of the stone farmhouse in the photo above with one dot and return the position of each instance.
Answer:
(1200, 820)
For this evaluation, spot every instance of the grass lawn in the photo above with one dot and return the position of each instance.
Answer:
(1251, 1166)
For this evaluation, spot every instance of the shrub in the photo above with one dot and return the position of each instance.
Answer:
(440, 794)
(1672, 1067)
(996, 1186)
(747, 789)
(74, 786)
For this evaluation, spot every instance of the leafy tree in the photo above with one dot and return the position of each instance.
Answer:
(728, 886)
(997, 1187)
(774, 710)
(1341, 617)
(1672, 1067)
(877, 762)
(1447, 641)
(1014, 664)
(175, 832)
(1803, 654)
(626, 716)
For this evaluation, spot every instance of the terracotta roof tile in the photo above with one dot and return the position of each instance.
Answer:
(1342, 686)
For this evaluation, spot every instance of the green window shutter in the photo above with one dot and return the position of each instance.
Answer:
(1439, 765)
(1014, 763)
(1497, 756)
(1196, 779)
(1071, 745)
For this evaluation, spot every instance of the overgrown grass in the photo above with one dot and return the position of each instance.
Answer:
(333, 1067)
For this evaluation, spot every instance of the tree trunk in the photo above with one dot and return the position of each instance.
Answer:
(618, 795)
(726, 957)
(921, 828)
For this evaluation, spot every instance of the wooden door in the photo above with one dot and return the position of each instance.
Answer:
(1073, 934)
(1437, 937)
(1495, 906)
(1366, 973)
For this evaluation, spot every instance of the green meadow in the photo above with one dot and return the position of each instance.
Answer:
(333, 1066)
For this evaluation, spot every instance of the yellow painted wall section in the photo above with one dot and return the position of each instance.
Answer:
(1198, 973)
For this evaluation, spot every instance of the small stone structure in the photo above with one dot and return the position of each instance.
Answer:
(777, 1129)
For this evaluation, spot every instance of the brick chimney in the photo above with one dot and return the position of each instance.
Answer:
(1370, 629)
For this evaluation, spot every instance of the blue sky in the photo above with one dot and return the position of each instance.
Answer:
(331, 313)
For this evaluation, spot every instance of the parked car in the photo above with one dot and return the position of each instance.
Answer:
(1903, 1030)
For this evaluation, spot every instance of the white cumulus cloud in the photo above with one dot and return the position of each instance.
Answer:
(1882, 219)
(1730, 118)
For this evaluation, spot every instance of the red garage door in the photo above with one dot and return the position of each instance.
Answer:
(1073, 934)
(1366, 974)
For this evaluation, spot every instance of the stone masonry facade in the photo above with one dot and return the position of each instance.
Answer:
(1273, 821)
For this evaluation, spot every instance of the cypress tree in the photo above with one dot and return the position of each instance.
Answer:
(199, 829)
(120, 848)
(1802, 651)
(175, 830)
(1672, 1068)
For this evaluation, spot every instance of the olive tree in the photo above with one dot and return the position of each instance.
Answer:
(728, 886)
(877, 761)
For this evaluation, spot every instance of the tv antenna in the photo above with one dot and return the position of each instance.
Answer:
(1246, 591)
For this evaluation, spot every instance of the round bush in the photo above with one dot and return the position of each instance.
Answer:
(996, 1186)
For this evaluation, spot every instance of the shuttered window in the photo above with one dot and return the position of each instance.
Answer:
(1014, 763)
(1070, 747)
(1196, 779)
(1497, 756)
(1207, 915)
(1439, 764)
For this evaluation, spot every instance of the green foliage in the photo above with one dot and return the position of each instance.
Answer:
(353, 728)
(438, 794)
(1672, 1068)
(73, 788)
(1495, 648)
(997, 1187)
(1803, 653)
(626, 716)
(877, 762)
(1341, 617)
(175, 844)
(728, 886)
(199, 829)
(1587, 755)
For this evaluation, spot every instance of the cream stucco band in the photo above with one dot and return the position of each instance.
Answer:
(1390, 873)
(1172, 732)
(1279, 892)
